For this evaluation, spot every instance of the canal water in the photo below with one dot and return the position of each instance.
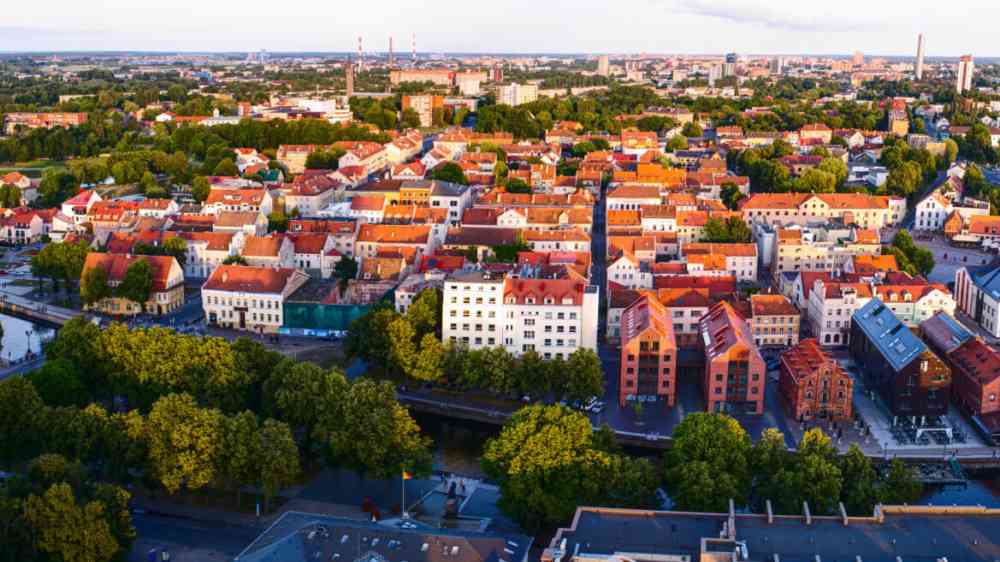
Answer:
(20, 336)
(458, 445)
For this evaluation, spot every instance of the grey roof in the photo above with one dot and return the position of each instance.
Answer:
(918, 533)
(987, 278)
(307, 537)
(897, 344)
(438, 188)
(945, 332)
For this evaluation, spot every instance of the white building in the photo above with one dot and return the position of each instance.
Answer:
(553, 317)
(831, 306)
(517, 94)
(249, 298)
(977, 294)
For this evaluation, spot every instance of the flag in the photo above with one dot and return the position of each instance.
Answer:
(407, 475)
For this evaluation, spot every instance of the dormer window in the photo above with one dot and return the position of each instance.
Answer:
(530, 300)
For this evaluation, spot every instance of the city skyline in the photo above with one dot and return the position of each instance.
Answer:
(651, 26)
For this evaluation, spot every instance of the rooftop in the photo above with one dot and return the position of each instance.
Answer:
(906, 533)
(894, 341)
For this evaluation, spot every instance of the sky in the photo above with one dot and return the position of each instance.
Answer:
(876, 27)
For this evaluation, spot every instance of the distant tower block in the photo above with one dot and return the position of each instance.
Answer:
(391, 57)
(919, 69)
(413, 47)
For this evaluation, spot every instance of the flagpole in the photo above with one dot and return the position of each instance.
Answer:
(402, 481)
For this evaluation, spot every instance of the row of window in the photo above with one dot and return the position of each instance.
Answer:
(248, 303)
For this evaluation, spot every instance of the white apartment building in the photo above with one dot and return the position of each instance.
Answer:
(913, 304)
(831, 306)
(517, 94)
(630, 272)
(821, 249)
(739, 260)
(866, 211)
(932, 211)
(249, 298)
(207, 250)
(977, 294)
(553, 317)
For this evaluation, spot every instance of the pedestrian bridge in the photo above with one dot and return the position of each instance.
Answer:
(32, 311)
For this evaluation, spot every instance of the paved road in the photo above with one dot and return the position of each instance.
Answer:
(188, 540)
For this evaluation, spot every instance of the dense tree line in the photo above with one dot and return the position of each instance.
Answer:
(712, 460)
(163, 404)
(410, 345)
(57, 512)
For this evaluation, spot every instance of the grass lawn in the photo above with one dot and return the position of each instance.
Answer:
(32, 169)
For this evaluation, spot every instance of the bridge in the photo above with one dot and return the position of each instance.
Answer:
(37, 312)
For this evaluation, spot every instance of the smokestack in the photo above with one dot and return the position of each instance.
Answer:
(919, 71)
(390, 51)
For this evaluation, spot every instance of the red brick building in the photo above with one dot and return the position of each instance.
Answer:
(813, 385)
(648, 352)
(734, 370)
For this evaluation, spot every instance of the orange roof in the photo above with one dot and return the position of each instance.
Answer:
(731, 250)
(635, 192)
(394, 234)
(772, 305)
(245, 279)
(116, 265)
(308, 242)
(624, 218)
(216, 241)
(562, 235)
(262, 246)
(692, 218)
(367, 202)
(873, 264)
(806, 358)
(646, 315)
(984, 224)
(250, 197)
(729, 332)
(551, 291)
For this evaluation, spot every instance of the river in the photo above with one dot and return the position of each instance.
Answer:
(458, 445)
(20, 336)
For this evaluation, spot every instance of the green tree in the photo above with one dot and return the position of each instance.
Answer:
(10, 196)
(278, 461)
(94, 285)
(424, 313)
(769, 463)
(184, 442)
(411, 119)
(819, 477)
(731, 195)
(240, 451)
(586, 377)
(836, 167)
(450, 172)
(517, 185)
(21, 412)
(692, 129)
(76, 343)
(57, 185)
(675, 143)
(904, 179)
(235, 259)
(226, 167)
(950, 150)
(403, 351)
(708, 463)
(346, 268)
(428, 365)
(859, 492)
(200, 188)
(548, 461)
(375, 434)
(582, 149)
(59, 383)
(901, 485)
(815, 180)
(67, 530)
(137, 284)
(303, 394)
